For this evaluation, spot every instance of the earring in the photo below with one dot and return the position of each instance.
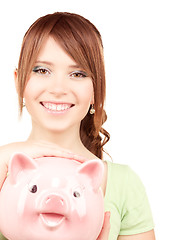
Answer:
(92, 110)
(24, 103)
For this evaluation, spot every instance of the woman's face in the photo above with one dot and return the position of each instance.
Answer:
(58, 93)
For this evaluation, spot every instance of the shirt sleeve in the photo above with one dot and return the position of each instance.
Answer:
(2, 237)
(136, 215)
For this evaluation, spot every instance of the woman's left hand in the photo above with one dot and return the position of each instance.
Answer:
(104, 234)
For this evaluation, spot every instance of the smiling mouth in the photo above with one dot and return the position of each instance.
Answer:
(52, 220)
(56, 107)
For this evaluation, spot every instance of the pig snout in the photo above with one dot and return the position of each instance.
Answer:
(55, 203)
(53, 210)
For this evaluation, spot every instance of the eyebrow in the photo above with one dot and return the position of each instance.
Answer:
(44, 62)
(51, 64)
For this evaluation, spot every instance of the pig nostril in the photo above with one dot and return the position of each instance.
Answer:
(48, 200)
(54, 200)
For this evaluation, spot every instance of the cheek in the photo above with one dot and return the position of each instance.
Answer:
(86, 93)
(28, 90)
(27, 93)
(33, 89)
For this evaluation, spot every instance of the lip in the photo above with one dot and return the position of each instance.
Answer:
(52, 220)
(56, 107)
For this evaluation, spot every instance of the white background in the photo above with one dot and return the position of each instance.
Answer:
(143, 55)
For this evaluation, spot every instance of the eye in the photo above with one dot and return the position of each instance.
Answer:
(33, 189)
(78, 74)
(41, 70)
(76, 194)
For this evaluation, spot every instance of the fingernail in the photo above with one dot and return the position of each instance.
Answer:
(108, 214)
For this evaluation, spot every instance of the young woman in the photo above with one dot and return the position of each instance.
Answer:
(61, 81)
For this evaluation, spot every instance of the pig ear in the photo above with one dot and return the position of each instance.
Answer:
(92, 170)
(19, 163)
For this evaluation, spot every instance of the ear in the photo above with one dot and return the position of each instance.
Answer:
(19, 163)
(92, 99)
(92, 170)
(16, 79)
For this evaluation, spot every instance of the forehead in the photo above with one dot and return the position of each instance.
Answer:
(52, 52)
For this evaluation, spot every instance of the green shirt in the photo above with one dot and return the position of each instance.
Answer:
(127, 201)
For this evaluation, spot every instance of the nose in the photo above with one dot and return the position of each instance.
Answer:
(59, 85)
(55, 203)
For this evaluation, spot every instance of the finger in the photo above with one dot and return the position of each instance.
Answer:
(79, 158)
(56, 151)
(104, 235)
(3, 170)
(63, 154)
(47, 149)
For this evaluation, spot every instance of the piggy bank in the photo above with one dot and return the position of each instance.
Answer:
(51, 198)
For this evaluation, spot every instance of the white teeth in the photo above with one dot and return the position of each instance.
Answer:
(53, 107)
(59, 107)
(56, 107)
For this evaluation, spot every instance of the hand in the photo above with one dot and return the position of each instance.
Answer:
(34, 150)
(47, 149)
(104, 234)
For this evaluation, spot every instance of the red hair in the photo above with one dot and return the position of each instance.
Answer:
(82, 41)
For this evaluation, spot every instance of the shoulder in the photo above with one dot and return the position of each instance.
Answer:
(123, 176)
(125, 182)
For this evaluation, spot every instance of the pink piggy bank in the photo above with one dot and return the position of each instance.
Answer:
(52, 198)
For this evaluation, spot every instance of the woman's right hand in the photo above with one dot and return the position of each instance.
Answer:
(34, 150)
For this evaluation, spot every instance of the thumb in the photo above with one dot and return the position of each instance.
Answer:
(104, 234)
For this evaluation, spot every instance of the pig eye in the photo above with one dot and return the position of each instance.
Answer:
(76, 194)
(33, 189)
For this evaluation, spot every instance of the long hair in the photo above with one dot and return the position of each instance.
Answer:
(82, 42)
